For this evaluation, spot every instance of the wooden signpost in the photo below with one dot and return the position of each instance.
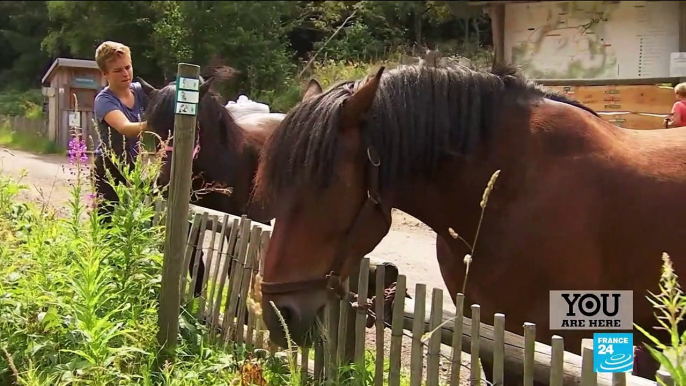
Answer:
(187, 93)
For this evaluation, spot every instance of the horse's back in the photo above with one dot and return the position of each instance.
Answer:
(260, 121)
(259, 126)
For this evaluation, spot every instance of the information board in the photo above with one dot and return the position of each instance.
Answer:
(592, 40)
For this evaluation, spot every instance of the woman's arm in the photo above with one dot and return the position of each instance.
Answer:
(117, 120)
(107, 109)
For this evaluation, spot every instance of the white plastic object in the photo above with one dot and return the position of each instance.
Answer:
(244, 106)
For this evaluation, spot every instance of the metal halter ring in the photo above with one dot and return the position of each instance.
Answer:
(369, 156)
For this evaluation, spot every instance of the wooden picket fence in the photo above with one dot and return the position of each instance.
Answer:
(36, 127)
(244, 242)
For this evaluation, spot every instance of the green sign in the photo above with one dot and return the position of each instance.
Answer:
(84, 82)
(187, 95)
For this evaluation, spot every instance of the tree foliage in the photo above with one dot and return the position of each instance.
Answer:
(267, 41)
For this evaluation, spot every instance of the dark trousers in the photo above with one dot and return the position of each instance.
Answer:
(108, 199)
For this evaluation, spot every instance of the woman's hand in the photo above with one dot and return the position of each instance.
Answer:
(119, 122)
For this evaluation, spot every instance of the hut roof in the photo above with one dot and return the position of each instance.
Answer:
(67, 62)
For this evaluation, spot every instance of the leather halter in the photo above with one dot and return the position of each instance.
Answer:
(332, 281)
(196, 149)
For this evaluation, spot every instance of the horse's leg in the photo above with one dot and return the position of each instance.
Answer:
(645, 366)
(449, 266)
(107, 196)
(197, 290)
(451, 270)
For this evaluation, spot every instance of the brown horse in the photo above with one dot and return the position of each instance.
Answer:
(226, 153)
(227, 149)
(579, 204)
(225, 156)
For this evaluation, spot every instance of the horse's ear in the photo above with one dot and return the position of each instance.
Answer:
(147, 88)
(313, 88)
(205, 87)
(358, 104)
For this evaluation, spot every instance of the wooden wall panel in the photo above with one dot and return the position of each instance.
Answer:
(635, 120)
(631, 106)
(638, 99)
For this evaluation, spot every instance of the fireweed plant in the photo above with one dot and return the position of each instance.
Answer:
(79, 297)
(671, 304)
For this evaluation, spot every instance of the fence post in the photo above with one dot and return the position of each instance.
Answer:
(187, 79)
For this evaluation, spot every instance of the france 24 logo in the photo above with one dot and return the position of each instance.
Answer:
(613, 352)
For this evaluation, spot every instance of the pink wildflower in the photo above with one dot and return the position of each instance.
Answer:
(77, 151)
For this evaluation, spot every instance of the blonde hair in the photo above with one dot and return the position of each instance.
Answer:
(109, 50)
(680, 89)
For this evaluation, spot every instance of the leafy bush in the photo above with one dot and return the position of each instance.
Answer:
(27, 104)
(327, 72)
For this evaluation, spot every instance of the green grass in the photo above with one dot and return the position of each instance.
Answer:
(27, 105)
(28, 142)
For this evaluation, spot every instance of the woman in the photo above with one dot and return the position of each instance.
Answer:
(118, 106)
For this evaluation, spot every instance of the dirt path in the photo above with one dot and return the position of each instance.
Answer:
(410, 244)
(48, 177)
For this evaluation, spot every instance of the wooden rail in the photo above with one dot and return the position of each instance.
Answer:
(606, 82)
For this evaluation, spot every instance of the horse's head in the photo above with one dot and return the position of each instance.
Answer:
(324, 175)
(214, 125)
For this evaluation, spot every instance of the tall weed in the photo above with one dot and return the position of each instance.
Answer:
(671, 304)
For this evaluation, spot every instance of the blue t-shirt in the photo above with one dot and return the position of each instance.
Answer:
(105, 102)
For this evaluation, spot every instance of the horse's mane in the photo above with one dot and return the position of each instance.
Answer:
(548, 93)
(420, 115)
(211, 112)
(559, 97)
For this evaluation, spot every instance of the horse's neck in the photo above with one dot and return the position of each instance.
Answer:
(622, 168)
(451, 201)
(445, 203)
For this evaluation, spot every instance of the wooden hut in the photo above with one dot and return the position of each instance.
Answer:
(65, 79)
(621, 58)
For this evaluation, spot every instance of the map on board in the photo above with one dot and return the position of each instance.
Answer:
(592, 40)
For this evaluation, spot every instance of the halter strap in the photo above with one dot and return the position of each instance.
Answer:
(196, 149)
(332, 281)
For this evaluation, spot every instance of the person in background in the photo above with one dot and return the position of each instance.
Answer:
(678, 114)
(118, 110)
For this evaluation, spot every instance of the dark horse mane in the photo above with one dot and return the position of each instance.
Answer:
(413, 123)
(160, 114)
